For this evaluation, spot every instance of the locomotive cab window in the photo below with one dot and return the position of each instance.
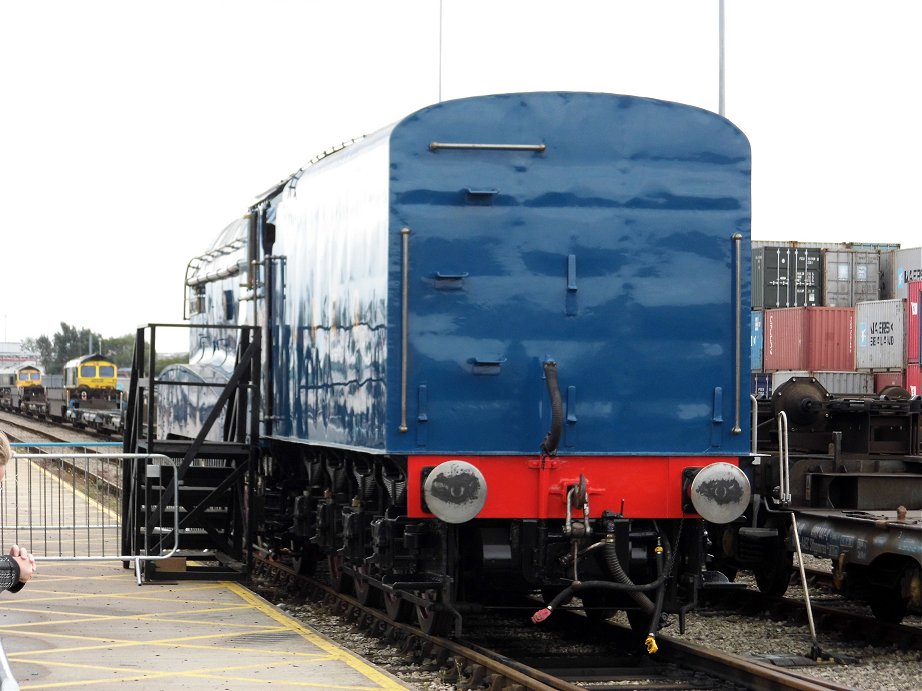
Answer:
(229, 305)
(196, 299)
(106, 371)
(88, 371)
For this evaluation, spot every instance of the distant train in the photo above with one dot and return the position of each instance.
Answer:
(505, 342)
(86, 395)
(21, 388)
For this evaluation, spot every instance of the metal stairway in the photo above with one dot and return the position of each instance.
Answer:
(207, 480)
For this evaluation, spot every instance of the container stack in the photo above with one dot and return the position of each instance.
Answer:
(846, 314)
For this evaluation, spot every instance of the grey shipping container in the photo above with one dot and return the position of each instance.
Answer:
(833, 382)
(887, 288)
(787, 277)
(907, 267)
(850, 277)
(880, 335)
(872, 246)
(796, 244)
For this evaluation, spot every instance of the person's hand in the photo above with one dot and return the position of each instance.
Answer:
(25, 560)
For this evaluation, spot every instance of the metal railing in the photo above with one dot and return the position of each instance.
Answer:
(66, 506)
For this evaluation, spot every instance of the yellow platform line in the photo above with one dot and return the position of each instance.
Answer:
(66, 617)
(276, 652)
(333, 653)
(217, 673)
(355, 662)
(53, 596)
(114, 642)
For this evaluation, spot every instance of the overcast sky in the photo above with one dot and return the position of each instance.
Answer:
(133, 132)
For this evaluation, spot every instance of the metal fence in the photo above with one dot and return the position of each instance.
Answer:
(66, 506)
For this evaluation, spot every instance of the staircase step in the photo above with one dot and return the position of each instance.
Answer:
(196, 565)
(177, 448)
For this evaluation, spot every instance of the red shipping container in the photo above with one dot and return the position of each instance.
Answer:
(913, 304)
(885, 379)
(809, 338)
(913, 385)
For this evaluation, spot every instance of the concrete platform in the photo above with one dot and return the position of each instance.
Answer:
(88, 625)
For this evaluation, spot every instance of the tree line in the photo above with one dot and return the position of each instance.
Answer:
(71, 342)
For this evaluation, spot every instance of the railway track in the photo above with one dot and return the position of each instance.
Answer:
(471, 662)
(103, 476)
(37, 429)
(831, 614)
(499, 649)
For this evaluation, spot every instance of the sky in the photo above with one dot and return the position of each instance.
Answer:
(132, 132)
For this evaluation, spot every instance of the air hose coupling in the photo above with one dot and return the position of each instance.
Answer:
(541, 614)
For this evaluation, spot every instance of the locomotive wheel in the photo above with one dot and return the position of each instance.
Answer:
(432, 621)
(396, 607)
(774, 574)
(724, 543)
(888, 606)
(305, 561)
(339, 581)
(729, 571)
(365, 592)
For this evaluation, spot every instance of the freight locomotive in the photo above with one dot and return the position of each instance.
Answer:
(89, 396)
(85, 395)
(22, 389)
(504, 350)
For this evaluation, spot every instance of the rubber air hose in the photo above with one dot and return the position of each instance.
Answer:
(615, 570)
(551, 440)
(660, 593)
(577, 586)
(629, 588)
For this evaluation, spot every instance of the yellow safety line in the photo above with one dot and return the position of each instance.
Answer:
(208, 673)
(333, 652)
(109, 645)
(155, 617)
(134, 594)
(288, 624)
(355, 662)
(25, 606)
